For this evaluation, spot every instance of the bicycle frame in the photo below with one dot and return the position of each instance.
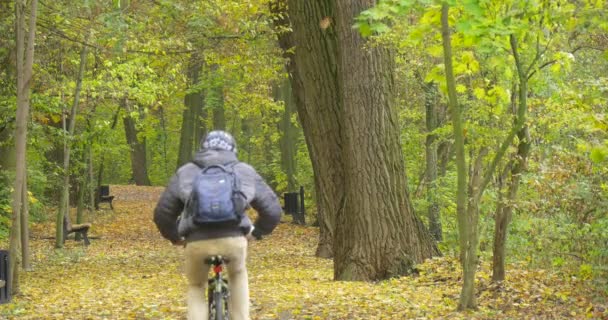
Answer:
(217, 292)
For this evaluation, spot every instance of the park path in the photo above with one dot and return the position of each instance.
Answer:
(130, 272)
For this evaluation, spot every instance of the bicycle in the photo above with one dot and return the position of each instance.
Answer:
(217, 291)
(217, 288)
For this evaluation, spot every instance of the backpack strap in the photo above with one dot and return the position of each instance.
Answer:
(226, 166)
(215, 166)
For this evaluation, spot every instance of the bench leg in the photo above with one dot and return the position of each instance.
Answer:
(65, 234)
(111, 207)
(86, 237)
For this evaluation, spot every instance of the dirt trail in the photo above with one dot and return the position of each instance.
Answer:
(130, 272)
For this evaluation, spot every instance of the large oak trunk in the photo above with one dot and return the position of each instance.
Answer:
(313, 78)
(377, 235)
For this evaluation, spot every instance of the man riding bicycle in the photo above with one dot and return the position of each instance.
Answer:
(229, 240)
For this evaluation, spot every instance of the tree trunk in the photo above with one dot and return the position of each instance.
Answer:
(194, 103)
(25, 229)
(139, 165)
(102, 158)
(316, 95)
(215, 99)
(289, 135)
(377, 234)
(517, 165)
(465, 230)
(64, 205)
(200, 126)
(80, 205)
(91, 177)
(163, 141)
(503, 216)
(24, 78)
(431, 103)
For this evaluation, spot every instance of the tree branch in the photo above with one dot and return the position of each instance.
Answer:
(519, 123)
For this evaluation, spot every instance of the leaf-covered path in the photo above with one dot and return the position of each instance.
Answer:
(130, 272)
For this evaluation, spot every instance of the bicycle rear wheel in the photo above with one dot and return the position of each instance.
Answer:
(219, 307)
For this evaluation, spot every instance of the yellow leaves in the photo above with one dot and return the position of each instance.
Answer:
(130, 272)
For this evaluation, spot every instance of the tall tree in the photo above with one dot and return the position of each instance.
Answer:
(139, 165)
(289, 132)
(215, 98)
(470, 185)
(377, 233)
(431, 101)
(191, 118)
(317, 102)
(64, 205)
(25, 61)
(336, 109)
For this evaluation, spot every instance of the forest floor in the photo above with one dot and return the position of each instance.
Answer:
(130, 272)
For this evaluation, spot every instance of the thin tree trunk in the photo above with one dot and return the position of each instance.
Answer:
(288, 140)
(200, 126)
(194, 103)
(139, 164)
(215, 99)
(25, 230)
(469, 266)
(91, 176)
(517, 165)
(65, 196)
(101, 160)
(163, 138)
(467, 296)
(431, 102)
(186, 133)
(24, 78)
(504, 215)
(80, 206)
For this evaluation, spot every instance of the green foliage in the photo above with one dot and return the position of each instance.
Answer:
(562, 195)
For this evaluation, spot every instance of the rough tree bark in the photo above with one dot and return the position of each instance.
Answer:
(313, 79)
(377, 234)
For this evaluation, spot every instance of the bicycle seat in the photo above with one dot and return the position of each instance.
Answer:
(216, 260)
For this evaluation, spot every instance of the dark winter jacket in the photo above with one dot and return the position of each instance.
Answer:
(171, 203)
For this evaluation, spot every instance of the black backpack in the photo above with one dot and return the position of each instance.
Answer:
(216, 197)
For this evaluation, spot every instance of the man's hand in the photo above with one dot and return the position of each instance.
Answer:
(257, 234)
(253, 234)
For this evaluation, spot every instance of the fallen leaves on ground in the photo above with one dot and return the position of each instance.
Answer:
(130, 272)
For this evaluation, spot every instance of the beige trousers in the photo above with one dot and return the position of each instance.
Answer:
(197, 272)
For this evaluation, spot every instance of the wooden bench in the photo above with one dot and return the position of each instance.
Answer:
(103, 195)
(82, 229)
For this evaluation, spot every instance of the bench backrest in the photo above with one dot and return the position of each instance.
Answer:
(104, 191)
